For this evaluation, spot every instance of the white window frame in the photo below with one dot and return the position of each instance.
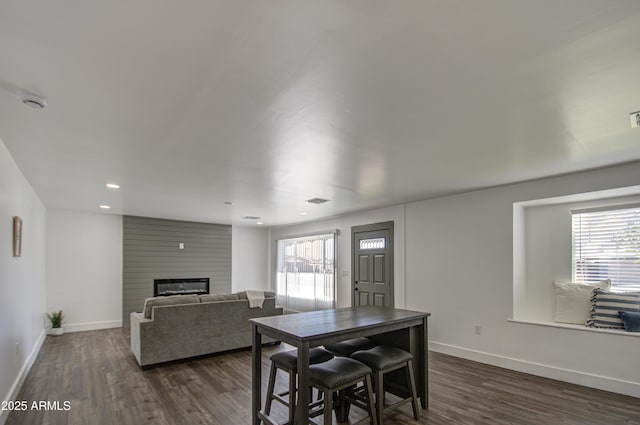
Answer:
(606, 245)
(306, 271)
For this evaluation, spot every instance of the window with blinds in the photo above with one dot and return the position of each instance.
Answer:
(306, 272)
(606, 245)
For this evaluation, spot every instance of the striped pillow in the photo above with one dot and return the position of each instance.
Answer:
(607, 305)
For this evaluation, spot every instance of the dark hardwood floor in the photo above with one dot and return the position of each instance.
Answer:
(97, 373)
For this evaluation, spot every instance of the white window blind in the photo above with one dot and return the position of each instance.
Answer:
(606, 245)
(306, 272)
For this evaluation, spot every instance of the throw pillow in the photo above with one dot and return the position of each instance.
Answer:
(573, 301)
(607, 306)
(631, 321)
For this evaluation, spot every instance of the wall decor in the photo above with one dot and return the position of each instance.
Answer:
(17, 236)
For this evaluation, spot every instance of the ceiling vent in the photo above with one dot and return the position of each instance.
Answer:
(251, 217)
(317, 200)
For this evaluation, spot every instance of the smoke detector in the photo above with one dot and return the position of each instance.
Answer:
(33, 101)
(634, 117)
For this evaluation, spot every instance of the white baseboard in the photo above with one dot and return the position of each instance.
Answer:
(92, 326)
(572, 376)
(24, 371)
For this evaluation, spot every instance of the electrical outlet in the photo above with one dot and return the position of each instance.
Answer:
(477, 329)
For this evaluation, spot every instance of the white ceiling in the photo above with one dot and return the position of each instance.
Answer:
(188, 104)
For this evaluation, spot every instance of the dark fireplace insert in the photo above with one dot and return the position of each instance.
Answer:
(166, 287)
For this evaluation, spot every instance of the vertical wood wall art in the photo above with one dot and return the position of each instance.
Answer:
(17, 236)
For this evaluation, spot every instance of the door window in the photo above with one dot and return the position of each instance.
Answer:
(375, 243)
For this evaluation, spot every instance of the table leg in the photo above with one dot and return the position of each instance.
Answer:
(256, 375)
(302, 406)
(424, 345)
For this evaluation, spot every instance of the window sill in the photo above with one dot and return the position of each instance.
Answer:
(621, 332)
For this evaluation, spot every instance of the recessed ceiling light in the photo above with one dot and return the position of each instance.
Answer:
(33, 101)
(317, 200)
(113, 186)
(303, 213)
(251, 217)
(259, 222)
(228, 203)
(105, 207)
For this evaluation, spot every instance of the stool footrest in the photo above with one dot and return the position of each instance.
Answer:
(281, 399)
(357, 402)
(391, 406)
(266, 418)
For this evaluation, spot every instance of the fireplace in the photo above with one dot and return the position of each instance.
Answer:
(165, 287)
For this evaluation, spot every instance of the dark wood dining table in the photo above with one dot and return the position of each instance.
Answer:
(402, 328)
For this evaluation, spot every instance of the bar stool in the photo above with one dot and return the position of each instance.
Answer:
(287, 361)
(334, 376)
(384, 359)
(348, 347)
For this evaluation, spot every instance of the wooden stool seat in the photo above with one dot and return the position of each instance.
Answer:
(287, 361)
(348, 347)
(341, 375)
(383, 359)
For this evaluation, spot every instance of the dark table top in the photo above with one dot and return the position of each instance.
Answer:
(317, 324)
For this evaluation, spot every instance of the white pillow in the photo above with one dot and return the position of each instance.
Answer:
(573, 301)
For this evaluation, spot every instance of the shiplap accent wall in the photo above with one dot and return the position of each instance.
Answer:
(150, 251)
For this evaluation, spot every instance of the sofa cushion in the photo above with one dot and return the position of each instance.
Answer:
(207, 298)
(608, 305)
(267, 294)
(149, 303)
(573, 301)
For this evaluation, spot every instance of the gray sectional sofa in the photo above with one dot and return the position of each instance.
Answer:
(178, 327)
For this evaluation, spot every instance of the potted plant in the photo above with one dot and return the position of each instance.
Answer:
(56, 322)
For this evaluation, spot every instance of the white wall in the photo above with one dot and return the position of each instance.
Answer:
(84, 269)
(454, 258)
(547, 250)
(249, 258)
(343, 224)
(22, 279)
(459, 267)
